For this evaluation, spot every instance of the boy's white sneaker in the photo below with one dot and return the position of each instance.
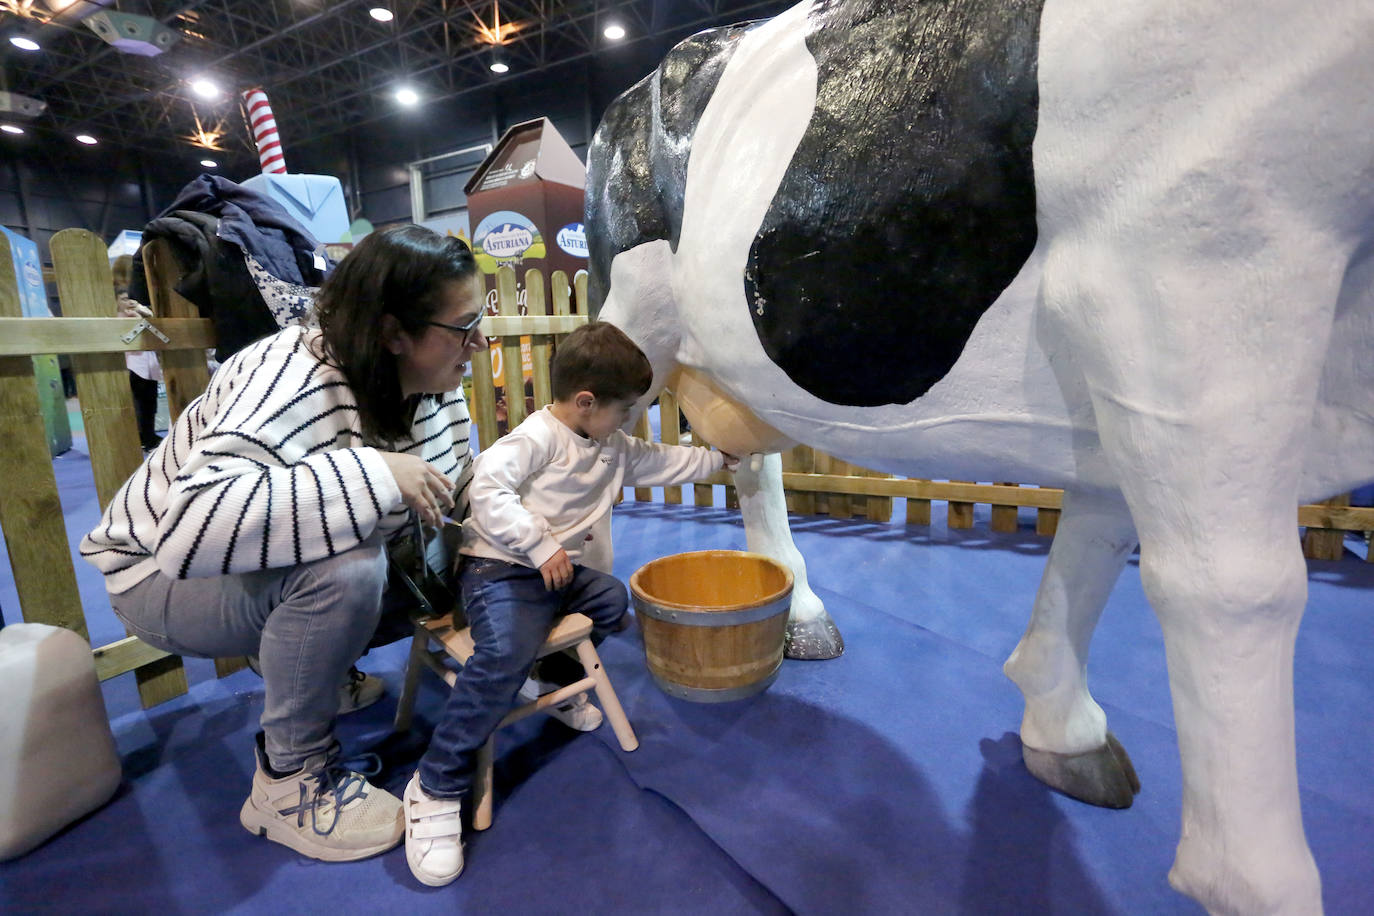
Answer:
(359, 691)
(577, 713)
(434, 836)
(325, 811)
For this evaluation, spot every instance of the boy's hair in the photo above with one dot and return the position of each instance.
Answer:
(599, 358)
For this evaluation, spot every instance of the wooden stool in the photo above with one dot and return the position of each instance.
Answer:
(573, 631)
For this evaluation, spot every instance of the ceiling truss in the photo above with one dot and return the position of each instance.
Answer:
(327, 65)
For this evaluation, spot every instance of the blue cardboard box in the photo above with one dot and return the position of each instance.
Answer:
(316, 202)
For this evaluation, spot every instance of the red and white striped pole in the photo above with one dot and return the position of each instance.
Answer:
(263, 127)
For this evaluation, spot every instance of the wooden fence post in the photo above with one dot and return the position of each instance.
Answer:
(86, 290)
(1046, 522)
(669, 430)
(917, 511)
(1326, 543)
(1004, 517)
(801, 459)
(642, 431)
(483, 406)
(30, 511)
(960, 513)
(875, 508)
(184, 371)
(512, 368)
(540, 350)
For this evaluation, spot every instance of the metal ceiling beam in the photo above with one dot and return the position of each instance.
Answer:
(327, 70)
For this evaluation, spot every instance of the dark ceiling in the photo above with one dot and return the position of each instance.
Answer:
(326, 65)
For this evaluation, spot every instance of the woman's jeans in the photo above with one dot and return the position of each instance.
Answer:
(510, 614)
(306, 624)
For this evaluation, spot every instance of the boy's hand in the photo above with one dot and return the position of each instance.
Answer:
(731, 461)
(557, 571)
(422, 487)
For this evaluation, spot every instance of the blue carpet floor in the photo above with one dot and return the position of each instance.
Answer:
(886, 781)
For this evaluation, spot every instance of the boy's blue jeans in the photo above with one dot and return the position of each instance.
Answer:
(510, 614)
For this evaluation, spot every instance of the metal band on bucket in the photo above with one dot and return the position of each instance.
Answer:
(713, 618)
(714, 694)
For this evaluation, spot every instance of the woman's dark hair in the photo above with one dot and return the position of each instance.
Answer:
(600, 358)
(400, 272)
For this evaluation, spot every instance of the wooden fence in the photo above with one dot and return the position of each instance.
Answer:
(31, 514)
(30, 511)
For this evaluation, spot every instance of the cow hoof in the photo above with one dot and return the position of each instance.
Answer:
(1102, 777)
(815, 639)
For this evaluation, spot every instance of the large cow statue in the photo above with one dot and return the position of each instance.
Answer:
(1122, 248)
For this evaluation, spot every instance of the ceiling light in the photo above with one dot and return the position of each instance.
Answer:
(615, 31)
(23, 43)
(407, 96)
(381, 14)
(209, 163)
(11, 129)
(86, 139)
(205, 88)
(498, 61)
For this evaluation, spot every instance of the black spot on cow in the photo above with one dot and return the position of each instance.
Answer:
(909, 205)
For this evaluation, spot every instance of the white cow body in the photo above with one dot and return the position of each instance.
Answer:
(1186, 352)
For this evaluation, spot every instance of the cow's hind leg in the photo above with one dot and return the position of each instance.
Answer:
(1203, 399)
(1064, 737)
(1228, 584)
(811, 634)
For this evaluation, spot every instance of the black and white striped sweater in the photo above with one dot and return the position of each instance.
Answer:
(267, 468)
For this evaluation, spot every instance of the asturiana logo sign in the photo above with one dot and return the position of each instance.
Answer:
(572, 238)
(505, 235)
(507, 241)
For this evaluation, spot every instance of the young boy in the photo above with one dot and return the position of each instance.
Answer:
(536, 547)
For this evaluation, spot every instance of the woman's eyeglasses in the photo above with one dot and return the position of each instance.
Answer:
(463, 329)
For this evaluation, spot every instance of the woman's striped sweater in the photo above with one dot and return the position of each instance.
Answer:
(267, 468)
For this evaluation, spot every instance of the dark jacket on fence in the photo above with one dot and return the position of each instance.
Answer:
(212, 226)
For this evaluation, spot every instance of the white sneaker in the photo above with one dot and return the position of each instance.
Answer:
(359, 690)
(577, 713)
(434, 836)
(325, 811)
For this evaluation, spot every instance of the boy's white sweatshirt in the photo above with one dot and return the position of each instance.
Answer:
(543, 487)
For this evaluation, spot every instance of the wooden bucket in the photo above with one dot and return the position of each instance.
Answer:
(713, 622)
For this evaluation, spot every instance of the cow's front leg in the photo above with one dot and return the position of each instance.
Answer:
(811, 634)
(1064, 737)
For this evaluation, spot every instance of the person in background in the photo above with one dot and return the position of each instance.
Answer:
(529, 557)
(145, 371)
(260, 525)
